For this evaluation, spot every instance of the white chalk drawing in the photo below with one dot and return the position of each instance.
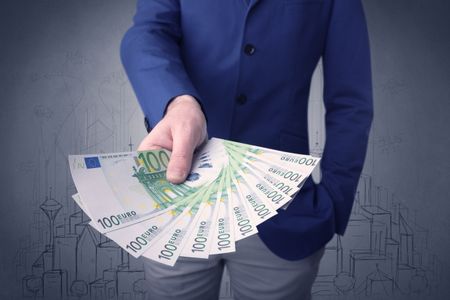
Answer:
(384, 252)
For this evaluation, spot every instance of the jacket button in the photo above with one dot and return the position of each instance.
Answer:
(249, 49)
(241, 99)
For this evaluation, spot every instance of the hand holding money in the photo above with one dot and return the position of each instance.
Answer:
(231, 188)
(182, 129)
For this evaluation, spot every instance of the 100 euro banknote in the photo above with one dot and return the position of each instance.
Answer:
(122, 189)
(232, 188)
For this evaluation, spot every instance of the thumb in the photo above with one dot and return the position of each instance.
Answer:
(181, 158)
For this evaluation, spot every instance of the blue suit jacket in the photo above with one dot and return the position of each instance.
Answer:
(250, 66)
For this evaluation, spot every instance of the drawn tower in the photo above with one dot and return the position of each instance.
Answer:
(51, 207)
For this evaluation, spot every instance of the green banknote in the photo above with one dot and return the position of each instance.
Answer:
(231, 188)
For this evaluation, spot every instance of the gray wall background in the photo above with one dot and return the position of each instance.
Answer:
(63, 91)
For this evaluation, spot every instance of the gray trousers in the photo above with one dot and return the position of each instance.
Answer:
(255, 273)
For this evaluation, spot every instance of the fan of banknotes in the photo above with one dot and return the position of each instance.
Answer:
(232, 187)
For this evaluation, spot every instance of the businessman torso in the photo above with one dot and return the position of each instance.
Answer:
(250, 65)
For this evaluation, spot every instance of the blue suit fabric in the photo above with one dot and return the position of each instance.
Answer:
(249, 63)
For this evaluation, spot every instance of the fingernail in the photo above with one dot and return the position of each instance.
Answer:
(177, 175)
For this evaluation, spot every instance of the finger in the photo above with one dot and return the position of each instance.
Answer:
(181, 157)
(155, 140)
(147, 147)
(202, 142)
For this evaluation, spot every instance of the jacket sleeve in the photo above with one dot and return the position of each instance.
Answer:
(348, 105)
(150, 54)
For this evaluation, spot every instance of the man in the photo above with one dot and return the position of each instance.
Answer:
(246, 66)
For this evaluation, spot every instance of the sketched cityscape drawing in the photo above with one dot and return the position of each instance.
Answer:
(384, 252)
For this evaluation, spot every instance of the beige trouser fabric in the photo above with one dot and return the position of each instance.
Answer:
(255, 273)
